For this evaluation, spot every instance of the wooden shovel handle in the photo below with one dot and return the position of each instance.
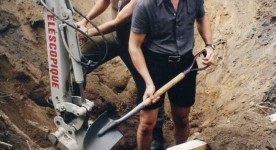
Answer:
(165, 88)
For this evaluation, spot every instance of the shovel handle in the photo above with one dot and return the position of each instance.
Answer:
(165, 88)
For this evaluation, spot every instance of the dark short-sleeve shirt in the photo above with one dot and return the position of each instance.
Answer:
(167, 31)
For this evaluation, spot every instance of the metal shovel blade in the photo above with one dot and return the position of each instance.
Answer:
(92, 141)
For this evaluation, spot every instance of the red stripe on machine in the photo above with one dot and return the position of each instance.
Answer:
(51, 27)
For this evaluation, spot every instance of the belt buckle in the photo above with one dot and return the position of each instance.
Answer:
(174, 59)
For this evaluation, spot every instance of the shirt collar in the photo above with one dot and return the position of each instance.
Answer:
(159, 2)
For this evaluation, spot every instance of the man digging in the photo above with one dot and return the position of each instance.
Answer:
(160, 45)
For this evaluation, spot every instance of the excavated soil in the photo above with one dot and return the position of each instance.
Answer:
(234, 96)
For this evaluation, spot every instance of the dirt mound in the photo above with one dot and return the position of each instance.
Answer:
(234, 96)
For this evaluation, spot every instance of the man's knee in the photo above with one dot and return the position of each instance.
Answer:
(182, 122)
(181, 116)
(147, 121)
(146, 127)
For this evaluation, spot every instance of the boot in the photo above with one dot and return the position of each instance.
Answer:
(157, 133)
(157, 139)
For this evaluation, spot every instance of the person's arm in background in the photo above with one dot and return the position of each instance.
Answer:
(123, 17)
(204, 29)
(98, 8)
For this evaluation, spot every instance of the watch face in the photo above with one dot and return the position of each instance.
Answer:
(211, 45)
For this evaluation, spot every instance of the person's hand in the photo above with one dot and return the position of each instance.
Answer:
(81, 23)
(209, 59)
(150, 89)
(83, 29)
(82, 26)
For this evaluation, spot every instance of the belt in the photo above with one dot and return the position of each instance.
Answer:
(170, 58)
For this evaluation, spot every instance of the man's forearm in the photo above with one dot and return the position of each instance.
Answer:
(140, 64)
(204, 29)
(123, 17)
(104, 28)
(138, 59)
(99, 7)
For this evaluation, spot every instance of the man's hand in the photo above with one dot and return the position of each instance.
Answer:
(209, 59)
(150, 89)
(82, 26)
(83, 29)
(81, 23)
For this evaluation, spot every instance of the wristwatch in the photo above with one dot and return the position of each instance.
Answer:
(211, 45)
(86, 32)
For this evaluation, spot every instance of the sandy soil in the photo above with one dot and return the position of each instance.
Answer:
(234, 96)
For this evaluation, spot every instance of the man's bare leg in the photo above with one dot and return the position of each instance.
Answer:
(146, 125)
(181, 123)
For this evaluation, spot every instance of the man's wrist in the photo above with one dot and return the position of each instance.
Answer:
(86, 32)
(84, 22)
(211, 45)
(149, 82)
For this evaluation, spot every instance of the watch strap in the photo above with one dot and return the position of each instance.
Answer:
(211, 45)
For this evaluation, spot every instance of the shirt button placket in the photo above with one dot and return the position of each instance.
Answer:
(177, 34)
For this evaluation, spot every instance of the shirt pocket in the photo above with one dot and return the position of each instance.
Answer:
(162, 29)
(185, 29)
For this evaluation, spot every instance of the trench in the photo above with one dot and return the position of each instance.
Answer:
(234, 96)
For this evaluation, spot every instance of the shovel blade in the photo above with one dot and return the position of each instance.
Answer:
(105, 142)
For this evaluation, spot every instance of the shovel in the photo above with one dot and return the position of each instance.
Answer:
(104, 133)
(94, 142)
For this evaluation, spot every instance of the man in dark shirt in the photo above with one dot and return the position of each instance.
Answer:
(166, 29)
(117, 34)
